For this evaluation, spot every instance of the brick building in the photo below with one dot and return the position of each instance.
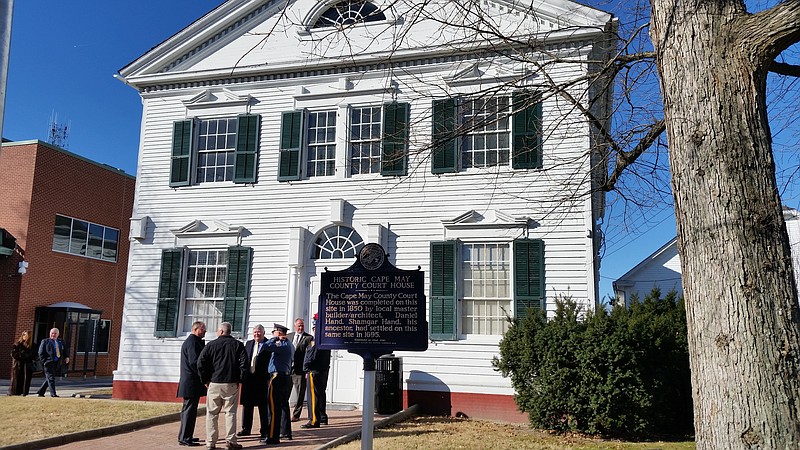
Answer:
(66, 217)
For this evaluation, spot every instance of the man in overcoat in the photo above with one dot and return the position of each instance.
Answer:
(255, 385)
(189, 386)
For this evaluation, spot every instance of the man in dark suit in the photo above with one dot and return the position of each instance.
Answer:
(255, 385)
(190, 387)
(53, 355)
(300, 339)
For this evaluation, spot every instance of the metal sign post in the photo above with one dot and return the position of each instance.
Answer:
(371, 309)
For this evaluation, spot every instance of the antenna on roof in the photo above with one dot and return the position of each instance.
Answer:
(57, 132)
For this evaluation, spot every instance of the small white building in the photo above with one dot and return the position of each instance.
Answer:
(277, 140)
(662, 269)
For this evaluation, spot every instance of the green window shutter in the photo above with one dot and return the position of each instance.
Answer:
(291, 145)
(169, 293)
(181, 161)
(445, 141)
(443, 308)
(527, 136)
(236, 289)
(247, 148)
(394, 157)
(528, 276)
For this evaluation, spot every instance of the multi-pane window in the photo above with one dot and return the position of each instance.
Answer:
(487, 140)
(206, 274)
(216, 146)
(80, 237)
(486, 286)
(321, 139)
(365, 140)
(337, 242)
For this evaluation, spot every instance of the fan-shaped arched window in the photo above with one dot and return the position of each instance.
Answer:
(337, 242)
(348, 13)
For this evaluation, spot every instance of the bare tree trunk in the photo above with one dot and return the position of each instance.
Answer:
(741, 301)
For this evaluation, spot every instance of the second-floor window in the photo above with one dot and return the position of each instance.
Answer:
(480, 132)
(216, 145)
(80, 237)
(376, 142)
(215, 150)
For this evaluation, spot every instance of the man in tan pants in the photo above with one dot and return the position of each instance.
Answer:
(221, 365)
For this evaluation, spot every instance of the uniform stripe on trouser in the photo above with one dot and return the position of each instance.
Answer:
(312, 405)
(272, 406)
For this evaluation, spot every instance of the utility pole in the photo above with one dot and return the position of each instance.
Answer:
(6, 13)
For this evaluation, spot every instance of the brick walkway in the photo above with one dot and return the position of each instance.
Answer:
(166, 436)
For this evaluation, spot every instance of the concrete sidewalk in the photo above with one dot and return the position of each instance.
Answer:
(344, 425)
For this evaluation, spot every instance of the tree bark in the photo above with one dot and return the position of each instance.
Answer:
(741, 301)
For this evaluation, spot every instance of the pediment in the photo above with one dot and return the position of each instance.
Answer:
(241, 38)
(489, 219)
(222, 97)
(489, 72)
(211, 228)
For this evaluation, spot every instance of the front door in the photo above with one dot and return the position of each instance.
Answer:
(346, 378)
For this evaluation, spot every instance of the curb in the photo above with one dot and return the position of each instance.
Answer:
(383, 423)
(98, 432)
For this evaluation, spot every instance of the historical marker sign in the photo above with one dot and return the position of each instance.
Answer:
(372, 307)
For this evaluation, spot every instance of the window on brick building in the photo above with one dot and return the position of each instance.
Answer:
(84, 238)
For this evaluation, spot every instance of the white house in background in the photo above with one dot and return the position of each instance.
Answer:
(662, 269)
(275, 144)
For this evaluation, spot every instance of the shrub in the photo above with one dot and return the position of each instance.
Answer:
(621, 373)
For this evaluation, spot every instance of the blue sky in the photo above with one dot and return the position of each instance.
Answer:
(63, 59)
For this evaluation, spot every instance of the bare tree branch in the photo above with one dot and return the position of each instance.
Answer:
(785, 69)
(625, 159)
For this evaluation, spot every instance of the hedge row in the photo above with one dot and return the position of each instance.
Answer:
(623, 373)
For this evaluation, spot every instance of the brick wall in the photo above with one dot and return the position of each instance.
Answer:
(71, 186)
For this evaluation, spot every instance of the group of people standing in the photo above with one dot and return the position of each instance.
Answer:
(53, 355)
(267, 370)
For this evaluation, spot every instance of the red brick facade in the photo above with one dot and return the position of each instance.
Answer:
(37, 182)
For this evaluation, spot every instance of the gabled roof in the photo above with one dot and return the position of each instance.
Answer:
(668, 247)
(245, 37)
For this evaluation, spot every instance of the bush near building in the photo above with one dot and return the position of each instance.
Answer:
(621, 373)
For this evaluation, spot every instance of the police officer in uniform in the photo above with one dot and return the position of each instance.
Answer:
(317, 364)
(280, 381)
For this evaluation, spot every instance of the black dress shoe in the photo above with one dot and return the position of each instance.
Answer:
(272, 441)
(41, 395)
(288, 437)
(243, 433)
(54, 396)
(323, 421)
(195, 439)
(189, 443)
(308, 425)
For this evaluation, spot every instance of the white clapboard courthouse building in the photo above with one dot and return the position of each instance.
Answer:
(278, 138)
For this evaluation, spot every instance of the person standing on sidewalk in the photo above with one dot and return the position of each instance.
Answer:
(190, 387)
(280, 384)
(255, 383)
(300, 339)
(23, 354)
(221, 365)
(53, 355)
(317, 364)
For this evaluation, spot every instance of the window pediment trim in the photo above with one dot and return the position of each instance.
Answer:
(477, 73)
(216, 98)
(214, 228)
(492, 219)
